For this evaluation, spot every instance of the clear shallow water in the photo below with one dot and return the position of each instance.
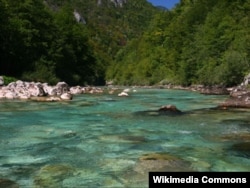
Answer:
(99, 140)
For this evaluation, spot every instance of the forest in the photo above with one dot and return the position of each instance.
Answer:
(129, 43)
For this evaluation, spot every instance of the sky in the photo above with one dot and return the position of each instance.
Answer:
(166, 3)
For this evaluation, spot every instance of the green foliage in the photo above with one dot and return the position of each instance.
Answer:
(39, 37)
(75, 62)
(43, 72)
(209, 73)
(8, 79)
(233, 68)
(198, 42)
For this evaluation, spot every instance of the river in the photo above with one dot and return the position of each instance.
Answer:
(103, 140)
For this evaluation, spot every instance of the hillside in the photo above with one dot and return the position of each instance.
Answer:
(198, 42)
(128, 42)
(43, 40)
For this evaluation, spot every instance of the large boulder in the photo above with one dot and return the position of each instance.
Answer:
(169, 108)
(165, 110)
(66, 96)
(62, 87)
(35, 89)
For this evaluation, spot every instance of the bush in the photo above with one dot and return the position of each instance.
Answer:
(8, 79)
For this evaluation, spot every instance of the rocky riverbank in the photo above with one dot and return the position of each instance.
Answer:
(238, 97)
(43, 91)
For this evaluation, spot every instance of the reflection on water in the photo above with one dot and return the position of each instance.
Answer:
(110, 141)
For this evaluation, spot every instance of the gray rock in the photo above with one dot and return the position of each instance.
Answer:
(1, 81)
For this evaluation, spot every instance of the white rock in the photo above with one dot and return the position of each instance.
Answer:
(123, 94)
(66, 96)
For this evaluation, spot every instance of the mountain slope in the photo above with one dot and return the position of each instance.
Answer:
(48, 43)
(198, 42)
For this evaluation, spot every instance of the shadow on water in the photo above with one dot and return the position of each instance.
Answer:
(241, 149)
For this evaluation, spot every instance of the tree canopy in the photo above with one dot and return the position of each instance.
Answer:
(133, 43)
(198, 42)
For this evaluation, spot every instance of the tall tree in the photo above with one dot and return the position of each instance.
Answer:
(76, 64)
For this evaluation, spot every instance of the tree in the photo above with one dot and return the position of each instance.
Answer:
(76, 63)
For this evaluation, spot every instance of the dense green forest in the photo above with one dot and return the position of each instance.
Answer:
(43, 41)
(87, 42)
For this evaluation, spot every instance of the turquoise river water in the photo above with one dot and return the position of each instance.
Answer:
(102, 140)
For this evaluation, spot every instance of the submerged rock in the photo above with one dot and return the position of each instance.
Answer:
(123, 138)
(153, 162)
(46, 99)
(245, 136)
(161, 162)
(6, 183)
(243, 149)
(52, 175)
